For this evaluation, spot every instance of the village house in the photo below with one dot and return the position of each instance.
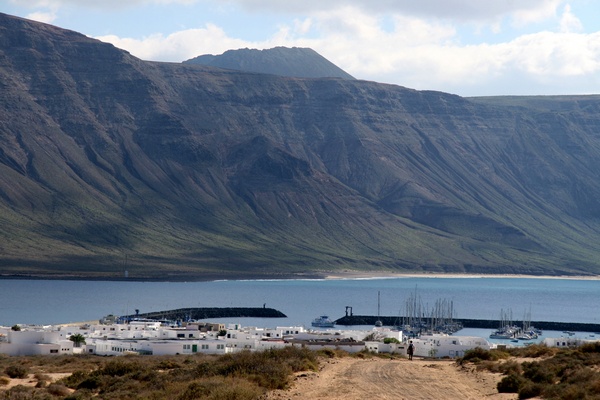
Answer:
(447, 346)
(34, 340)
(152, 338)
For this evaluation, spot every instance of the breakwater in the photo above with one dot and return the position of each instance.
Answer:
(470, 323)
(185, 314)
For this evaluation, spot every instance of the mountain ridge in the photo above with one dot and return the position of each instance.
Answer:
(176, 171)
(298, 62)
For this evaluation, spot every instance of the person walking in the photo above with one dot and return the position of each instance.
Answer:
(410, 350)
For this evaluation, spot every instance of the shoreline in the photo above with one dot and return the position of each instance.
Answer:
(392, 275)
(312, 275)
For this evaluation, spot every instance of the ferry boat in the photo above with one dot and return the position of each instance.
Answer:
(323, 322)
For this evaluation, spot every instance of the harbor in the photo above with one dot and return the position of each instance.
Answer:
(350, 320)
(203, 313)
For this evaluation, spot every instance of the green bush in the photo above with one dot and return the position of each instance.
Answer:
(529, 390)
(74, 379)
(17, 371)
(593, 347)
(119, 368)
(510, 367)
(538, 372)
(477, 355)
(91, 382)
(510, 384)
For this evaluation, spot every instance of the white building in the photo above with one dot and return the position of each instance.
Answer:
(148, 337)
(440, 346)
(34, 342)
(566, 342)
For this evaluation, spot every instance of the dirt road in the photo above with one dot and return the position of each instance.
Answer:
(352, 378)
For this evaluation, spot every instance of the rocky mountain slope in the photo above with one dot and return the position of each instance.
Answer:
(295, 62)
(111, 166)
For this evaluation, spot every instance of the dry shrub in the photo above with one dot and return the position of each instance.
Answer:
(536, 351)
(327, 353)
(119, 368)
(206, 369)
(530, 390)
(539, 372)
(41, 377)
(4, 380)
(17, 371)
(581, 376)
(594, 386)
(242, 375)
(56, 389)
(570, 392)
(504, 368)
(168, 364)
(477, 355)
(74, 379)
(593, 347)
(219, 388)
(21, 392)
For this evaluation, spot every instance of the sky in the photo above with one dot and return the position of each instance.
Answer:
(465, 47)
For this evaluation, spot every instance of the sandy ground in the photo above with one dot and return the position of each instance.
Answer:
(350, 274)
(32, 381)
(352, 378)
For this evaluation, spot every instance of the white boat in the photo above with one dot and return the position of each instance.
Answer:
(501, 335)
(323, 322)
(506, 332)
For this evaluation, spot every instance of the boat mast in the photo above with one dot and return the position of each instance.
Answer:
(378, 322)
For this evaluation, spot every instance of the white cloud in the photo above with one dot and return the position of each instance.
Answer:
(108, 4)
(45, 17)
(416, 44)
(461, 10)
(534, 11)
(569, 22)
(556, 55)
(178, 46)
(415, 52)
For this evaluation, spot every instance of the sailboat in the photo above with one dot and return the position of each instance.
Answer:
(378, 323)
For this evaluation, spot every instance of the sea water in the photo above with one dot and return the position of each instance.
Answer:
(62, 301)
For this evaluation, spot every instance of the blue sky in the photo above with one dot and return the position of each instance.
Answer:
(466, 47)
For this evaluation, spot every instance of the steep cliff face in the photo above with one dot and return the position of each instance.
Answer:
(180, 171)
